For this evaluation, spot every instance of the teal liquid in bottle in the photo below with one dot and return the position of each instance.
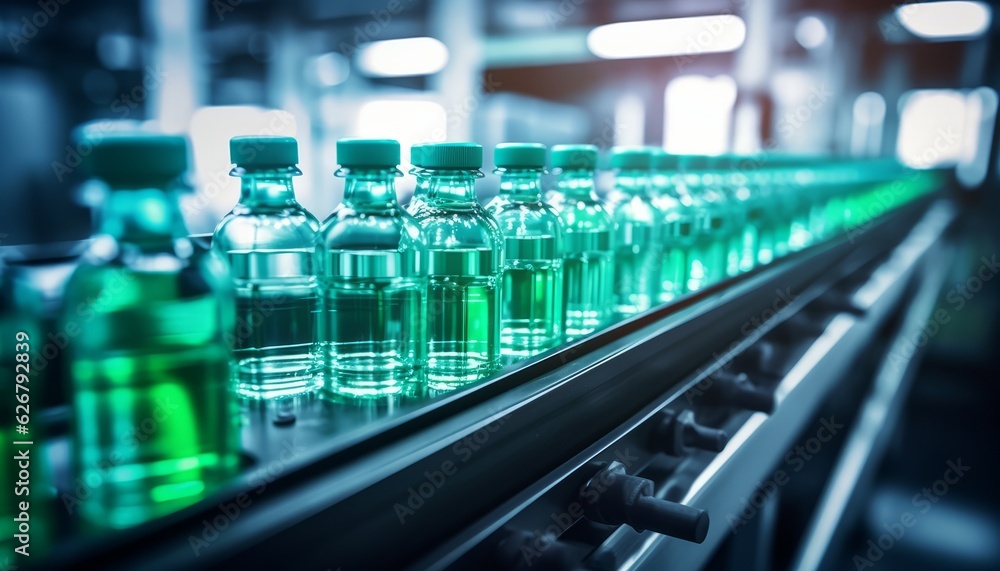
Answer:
(155, 419)
(531, 307)
(588, 252)
(465, 263)
(680, 218)
(637, 232)
(764, 212)
(374, 277)
(269, 240)
(734, 181)
(797, 184)
(709, 257)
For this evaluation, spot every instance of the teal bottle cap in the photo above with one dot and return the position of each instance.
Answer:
(416, 154)
(664, 161)
(519, 155)
(452, 156)
(631, 158)
(368, 153)
(260, 152)
(696, 163)
(137, 158)
(583, 157)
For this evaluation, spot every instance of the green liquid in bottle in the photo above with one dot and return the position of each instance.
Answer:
(275, 322)
(531, 313)
(588, 280)
(588, 253)
(157, 425)
(638, 250)
(463, 337)
(465, 261)
(269, 240)
(374, 283)
(532, 301)
(680, 218)
(376, 320)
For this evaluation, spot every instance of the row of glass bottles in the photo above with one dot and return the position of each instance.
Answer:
(393, 292)
(381, 295)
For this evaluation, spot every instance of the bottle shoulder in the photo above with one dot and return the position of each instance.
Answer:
(389, 229)
(578, 215)
(636, 208)
(469, 226)
(291, 229)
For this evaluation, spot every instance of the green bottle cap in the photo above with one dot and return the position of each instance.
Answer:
(583, 157)
(261, 152)
(368, 153)
(519, 155)
(452, 156)
(664, 161)
(631, 158)
(137, 158)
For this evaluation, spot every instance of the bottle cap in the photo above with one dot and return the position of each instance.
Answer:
(137, 158)
(368, 153)
(696, 163)
(582, 157)
(664, 161)
(416, 154)
(453, 156)
(631, 158)
(519, 155)
(262, 152)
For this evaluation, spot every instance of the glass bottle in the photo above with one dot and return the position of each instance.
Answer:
(269, 240)
(709, 258)
(155, 421)
(680, 219)
(531, 308)
(588, 252)
(465, 262)
(637, 232)
(374, 277)
(734, 172)
(422, 187)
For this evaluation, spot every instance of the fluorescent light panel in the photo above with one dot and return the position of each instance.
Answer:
(672, 37)
(402, 58)
(952, 20)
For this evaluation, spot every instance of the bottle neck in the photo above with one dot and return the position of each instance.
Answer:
(374, 188)
(452, 186)
(634, 182)
(521, 184)
(266, 189)
(149, 218)
(578, 184)
(423, 183)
